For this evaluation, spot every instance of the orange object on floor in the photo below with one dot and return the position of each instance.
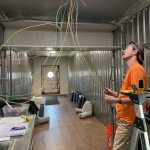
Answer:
(109, 135)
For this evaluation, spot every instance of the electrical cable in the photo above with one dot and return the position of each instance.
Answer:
(8, 60)
(44, 82)
(93, 78)
(83, 2)
(44, 144)
(83, 57)
(61, 35)
(106, 145)
(28, 28)
(28, 81)
(25, 83)
(24, 19)
(110, 77)
(58, 11)
(95, 71)
(58, 120)
(62, 132)
(57, 112)
(51, 130)
(3, 13)
(83, 60)
(50, 69)
(60, 49)
(32, 92)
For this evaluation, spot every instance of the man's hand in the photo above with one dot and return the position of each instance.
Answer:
(110, 99)
(109, 92)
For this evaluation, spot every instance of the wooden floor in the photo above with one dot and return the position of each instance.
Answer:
(66, 131)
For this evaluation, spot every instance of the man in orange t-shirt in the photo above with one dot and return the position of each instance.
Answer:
(125, 112)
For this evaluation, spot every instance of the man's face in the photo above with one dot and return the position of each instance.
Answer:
(129, 53)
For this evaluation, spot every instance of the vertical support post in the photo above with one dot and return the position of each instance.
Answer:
(149, 20)
(133, 28)
(113, 71)
(10, 73)
(1, 63)
(127, 40)
(138, 27)
(5, 74)
(144, 35)
(112, 107)
(122, 73)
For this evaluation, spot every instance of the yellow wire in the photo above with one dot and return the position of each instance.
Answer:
(83, 57)
(61, 46)
(57, 13)
(80, 51)
(60, 49)
(46, 76)
(83, 2)
(68, 25)
(28, 28)
(59, 52)
(39, 89)
(101, 146)
(86, 63)
(69, 12)
(54, 61)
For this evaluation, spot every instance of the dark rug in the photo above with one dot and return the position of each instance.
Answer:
(41, 111)
(51, 100)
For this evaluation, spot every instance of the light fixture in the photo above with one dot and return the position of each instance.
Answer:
(49, 48)
(52, 52)
(50, 74)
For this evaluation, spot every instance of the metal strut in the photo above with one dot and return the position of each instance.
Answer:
(140, 127)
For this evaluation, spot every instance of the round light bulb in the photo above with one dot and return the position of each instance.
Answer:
(50, 74)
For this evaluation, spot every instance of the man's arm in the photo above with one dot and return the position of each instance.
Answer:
(110, 92)
(110, 99)
(126, 100)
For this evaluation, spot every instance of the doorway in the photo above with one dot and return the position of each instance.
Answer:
(50, 79)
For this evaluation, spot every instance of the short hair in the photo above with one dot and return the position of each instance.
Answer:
(140, 54)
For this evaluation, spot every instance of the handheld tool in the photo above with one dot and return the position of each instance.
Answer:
(25, 118)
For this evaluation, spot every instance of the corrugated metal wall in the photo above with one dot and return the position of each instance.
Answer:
(16, 77)
(135, 28)
(85, 80)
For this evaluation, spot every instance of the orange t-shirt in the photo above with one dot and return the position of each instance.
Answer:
(126, 112)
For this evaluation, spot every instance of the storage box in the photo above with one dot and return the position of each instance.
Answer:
(16, 110)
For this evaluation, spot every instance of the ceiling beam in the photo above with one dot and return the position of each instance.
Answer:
(64, 48)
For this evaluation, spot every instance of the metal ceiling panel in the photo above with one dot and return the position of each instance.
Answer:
(95, 11)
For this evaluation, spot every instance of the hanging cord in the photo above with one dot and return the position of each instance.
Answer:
(50, 69)
(26, 82)
(99, 83)
(48, 82)
(25, 29)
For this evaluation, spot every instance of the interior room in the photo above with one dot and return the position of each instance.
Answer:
(64, 74)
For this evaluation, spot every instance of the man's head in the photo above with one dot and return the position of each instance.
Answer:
(134, 50)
